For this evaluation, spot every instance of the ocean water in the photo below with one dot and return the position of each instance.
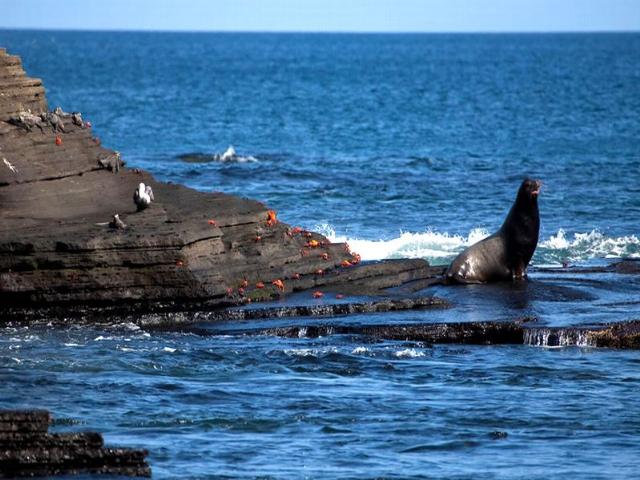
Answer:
(404, 145)
(417, 141)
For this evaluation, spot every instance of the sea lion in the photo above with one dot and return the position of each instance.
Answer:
(505, 254)
(143, 196)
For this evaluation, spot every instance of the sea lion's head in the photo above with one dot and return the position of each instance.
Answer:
(529, 190)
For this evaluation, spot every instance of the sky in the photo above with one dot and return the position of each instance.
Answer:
(325, 15)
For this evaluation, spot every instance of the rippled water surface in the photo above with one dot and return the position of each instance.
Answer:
(335, 407)
(404, 145)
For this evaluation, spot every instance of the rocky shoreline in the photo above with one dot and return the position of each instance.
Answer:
(190, 257)
(59, 190)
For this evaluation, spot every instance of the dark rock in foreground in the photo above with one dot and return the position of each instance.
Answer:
(27, 450)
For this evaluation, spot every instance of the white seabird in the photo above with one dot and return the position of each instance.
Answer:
(143, 196)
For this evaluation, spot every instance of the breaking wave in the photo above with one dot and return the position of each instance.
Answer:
(440, 248)
(229, 156)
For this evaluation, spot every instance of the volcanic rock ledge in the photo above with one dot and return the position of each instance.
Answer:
(27, 450)
(59, 188)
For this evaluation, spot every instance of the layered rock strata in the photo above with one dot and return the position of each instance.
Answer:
(28, 450)
(59, 191)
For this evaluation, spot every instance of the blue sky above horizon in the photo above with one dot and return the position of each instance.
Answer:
(325, 15)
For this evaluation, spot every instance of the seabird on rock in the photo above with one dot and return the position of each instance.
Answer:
(55, 120)
(116, 222)
(143, 196)
(76, 118)
(111, 162)
(27, 120)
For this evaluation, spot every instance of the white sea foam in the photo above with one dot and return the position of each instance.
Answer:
(409, 353)
(309, 352)
(583, 246)
(435, 246)
(230, 155)
(301, 352)
(440, 248)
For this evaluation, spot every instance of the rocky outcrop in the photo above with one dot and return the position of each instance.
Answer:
(28, 450)
(517, 332)
(59, 189)
(478, 333)
(17, 91)
(186, 320)
(611, 335)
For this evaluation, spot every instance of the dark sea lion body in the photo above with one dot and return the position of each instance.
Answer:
(505, 254)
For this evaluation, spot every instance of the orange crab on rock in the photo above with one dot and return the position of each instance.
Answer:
(259, 285)
(279, 284)
(318, 294)
(271, 218)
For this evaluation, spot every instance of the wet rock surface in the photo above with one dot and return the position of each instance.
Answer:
(522, 331)
(28, 450)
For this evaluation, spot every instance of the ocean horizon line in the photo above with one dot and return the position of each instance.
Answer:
(324, 32)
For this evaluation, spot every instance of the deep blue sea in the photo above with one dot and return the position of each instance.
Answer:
(404, 145)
